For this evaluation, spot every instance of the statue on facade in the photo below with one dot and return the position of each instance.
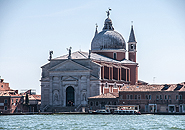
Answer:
(69, 49)
(84, 97)
(50, 55)
(89, 54)
(55, 97)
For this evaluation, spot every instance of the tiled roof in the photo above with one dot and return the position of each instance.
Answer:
(34, 97)
(94, 56)
(9, 93)
(107, 95)
(144, 88)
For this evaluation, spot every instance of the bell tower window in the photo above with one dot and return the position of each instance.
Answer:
(115, 56)
(132, 46)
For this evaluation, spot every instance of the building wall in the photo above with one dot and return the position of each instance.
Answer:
(4, 86)
(99, 103)
(119, 55)
(54, 85)
(132, 56)
(14, 104)
(133, 73)
(162, 103)
(5, 105)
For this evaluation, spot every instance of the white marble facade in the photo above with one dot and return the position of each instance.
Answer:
(58, 75)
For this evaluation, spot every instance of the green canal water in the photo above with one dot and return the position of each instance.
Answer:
(92, 122)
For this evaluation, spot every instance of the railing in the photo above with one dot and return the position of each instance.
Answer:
(77, 108)
(45, 107)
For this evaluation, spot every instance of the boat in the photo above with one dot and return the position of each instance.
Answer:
(127, 112)
(102, 111)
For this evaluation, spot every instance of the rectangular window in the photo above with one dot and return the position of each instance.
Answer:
(157, 97)
(135, 96)
(115, 56)
(177, 97)
(139, 97)
(180, 97)
(169, 97)
(165, 97)
(12, 100)
(16, 100)
(127, 96)
(161, 98)
(146, 96)
(150, 97)
(131, 97)
(5, 101)
(5, 108)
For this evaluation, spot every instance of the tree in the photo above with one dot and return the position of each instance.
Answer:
(27, 99)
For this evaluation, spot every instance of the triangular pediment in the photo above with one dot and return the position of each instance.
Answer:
(69, 65)
(70, 78)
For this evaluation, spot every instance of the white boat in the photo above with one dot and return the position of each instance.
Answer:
(127, 112)
(102, 111)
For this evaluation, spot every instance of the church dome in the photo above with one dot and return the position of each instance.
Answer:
(108, 39)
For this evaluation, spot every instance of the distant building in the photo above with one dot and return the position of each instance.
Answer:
(68, 80)
(12, 102)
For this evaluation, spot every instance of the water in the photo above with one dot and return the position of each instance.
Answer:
(92, 122)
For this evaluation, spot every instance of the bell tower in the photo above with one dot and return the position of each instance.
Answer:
(132, 46)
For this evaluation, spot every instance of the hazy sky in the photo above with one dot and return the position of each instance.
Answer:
(29, 29)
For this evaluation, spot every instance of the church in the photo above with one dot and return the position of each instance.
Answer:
(67, 81)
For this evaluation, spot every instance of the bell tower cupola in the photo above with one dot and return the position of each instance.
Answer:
(132, 46)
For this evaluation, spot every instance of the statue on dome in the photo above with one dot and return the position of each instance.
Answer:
(108, 13)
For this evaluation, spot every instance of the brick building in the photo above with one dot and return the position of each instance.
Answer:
(155, 98)
(12, 102)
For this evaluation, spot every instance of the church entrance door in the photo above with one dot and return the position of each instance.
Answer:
(70, 99)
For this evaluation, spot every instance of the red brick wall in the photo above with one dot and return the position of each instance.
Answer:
(120, 55)
(132, 56)
(107, 54)
(4, 86)
(133, 74)
(161, 103)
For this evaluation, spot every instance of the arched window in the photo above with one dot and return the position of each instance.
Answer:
(115, 56)
(70, 99)
(91, 104)
(132, 46)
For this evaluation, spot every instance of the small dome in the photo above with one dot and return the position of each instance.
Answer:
(106, 40)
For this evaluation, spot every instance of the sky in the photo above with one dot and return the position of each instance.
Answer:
(30, 29)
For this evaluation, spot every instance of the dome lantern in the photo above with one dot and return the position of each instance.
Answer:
(108, 39)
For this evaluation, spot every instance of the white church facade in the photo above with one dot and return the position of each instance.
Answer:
(67, 81)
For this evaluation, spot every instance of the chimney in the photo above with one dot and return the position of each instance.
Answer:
(2, 80)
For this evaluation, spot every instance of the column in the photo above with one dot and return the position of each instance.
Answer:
(50, 91)
(118, 73)
(126, 74)
(109, 73)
